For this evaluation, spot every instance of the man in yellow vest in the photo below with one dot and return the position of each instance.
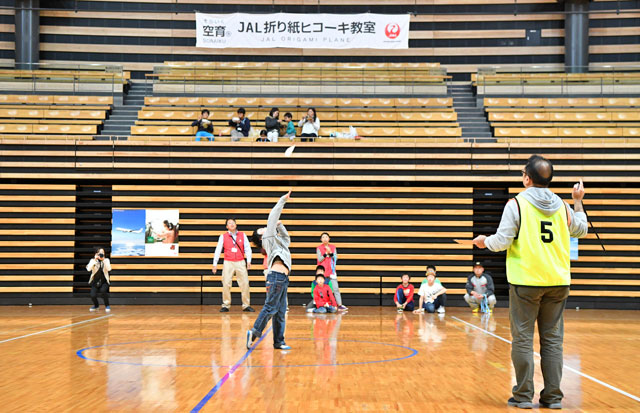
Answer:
(535, 229)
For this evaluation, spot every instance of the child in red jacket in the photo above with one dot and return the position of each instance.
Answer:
(323, 297)
(404, 295)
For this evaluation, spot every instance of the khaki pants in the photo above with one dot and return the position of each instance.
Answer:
(546, 306)
(239, 268)
(475, 303)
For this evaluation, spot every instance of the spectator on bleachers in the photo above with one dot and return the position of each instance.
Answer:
(310, 126)
(327, 255)
(432, 294)
(100, 267)
(241, 125)
(404, 295)
(290, 132)
(323, 297)
(263, 136)
(310, 306)
(272, 125)
(479, 286)
(205, 126)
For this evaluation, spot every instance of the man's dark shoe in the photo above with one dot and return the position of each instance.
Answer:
(520, 405)
(224, 310)
(556, 405)
(249, 310)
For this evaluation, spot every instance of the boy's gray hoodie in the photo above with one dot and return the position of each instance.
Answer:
(276, 239)
(545, 201)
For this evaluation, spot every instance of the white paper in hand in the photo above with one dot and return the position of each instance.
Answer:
(289, 151)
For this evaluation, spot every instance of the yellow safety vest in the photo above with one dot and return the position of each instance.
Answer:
(539, 255)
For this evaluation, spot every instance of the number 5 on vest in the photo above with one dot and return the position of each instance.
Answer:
(547, 235)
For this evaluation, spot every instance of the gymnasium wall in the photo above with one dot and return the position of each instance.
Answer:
(461, 34)
(390, 208)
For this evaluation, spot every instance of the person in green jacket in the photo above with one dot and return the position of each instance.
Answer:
(319, 271)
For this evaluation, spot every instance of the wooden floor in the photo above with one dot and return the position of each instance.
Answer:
(152, 359)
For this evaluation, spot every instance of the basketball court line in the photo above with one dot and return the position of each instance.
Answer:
(41, 324)
(224, 378)
(80, 353)
(54, 329)
(586, 376)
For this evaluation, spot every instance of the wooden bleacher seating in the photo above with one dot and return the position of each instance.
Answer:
(420, 220)
(37, 252)
(344, 213)
(295, 65)
(51, 115)
(373, 118)
(299, 72)
(436, 102)
(615, 118)
(597, 78)
(64, 75)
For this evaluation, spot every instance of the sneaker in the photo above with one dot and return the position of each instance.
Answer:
(309, 310)
(400, 310)
(556, 405)
(342, 308)
(92, 309)
(282, 347)
(440, 310)
(287, 309)
(246, 310)
(107, 309)
(520, 405)
(224, 310)
(250, 338)
(475, 310)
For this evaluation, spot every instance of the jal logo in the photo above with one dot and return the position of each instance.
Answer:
(392, 30)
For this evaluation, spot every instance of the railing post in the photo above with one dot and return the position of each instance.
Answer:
(602, 86)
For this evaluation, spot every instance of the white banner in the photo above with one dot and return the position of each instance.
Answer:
(303, 31)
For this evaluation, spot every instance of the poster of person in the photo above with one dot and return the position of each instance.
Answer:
(161, 232)
(127, 233)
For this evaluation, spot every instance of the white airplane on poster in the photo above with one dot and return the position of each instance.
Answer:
(129, 230)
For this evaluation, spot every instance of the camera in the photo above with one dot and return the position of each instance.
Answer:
(101, 255)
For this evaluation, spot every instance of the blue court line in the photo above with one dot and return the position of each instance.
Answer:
(80, 353)
(224, 379)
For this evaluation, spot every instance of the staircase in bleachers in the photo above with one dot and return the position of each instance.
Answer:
(124, 116)
(471, 118)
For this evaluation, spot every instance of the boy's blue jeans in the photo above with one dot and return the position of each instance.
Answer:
(330, 309)
(275, 305)
(203, 134)
(440, 300)
(402, 299)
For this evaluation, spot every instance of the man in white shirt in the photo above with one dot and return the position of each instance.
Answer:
(432, 294)
(236, 247)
